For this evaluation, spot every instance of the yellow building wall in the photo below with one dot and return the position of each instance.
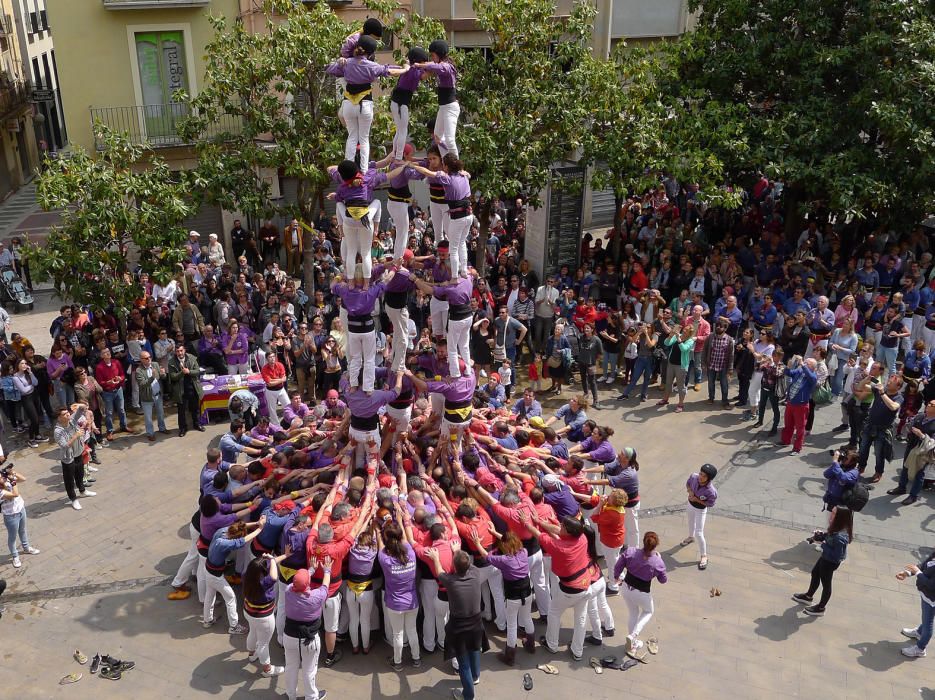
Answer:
(93, 54)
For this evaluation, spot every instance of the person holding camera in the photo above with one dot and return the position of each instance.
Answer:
(69, 436)
(802, 379)
(841, 475)
(833, 553)
(13, 508)
(877, 431)
(924, 574)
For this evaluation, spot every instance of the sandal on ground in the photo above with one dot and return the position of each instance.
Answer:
(79, 657)
(703, 563)
(110, 673)
(527, 682)
(548, 669)
(595, 663)
(71, 678)
(652, 646)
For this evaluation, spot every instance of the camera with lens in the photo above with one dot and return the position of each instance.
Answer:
(8, 475)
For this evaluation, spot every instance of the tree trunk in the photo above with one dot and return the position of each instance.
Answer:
(484, 216)
(307, 198)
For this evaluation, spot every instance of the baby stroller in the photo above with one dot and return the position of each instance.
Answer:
(13, 293)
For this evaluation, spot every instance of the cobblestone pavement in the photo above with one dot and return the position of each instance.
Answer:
(100, 582)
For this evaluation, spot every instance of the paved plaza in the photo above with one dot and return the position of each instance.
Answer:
(100, 583)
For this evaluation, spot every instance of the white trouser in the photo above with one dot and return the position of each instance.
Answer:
(812, 347)
(404, 622)
(331, 613)
(518, 612)
(441, 620)
(274, 399)
(399, 213)
(610, 554)
(451, 433)
(696, 518)
(599, 613)
(446, 127)
(361, 351)
(438, 404)
(928, 337)
(258, 639)
(213, 586)
(359, 608)
(363, 437)
(459, 345)
(438, 311)
(400, 320)
(493, 577)
(201, 576)
(401, 417)
(280, 609)
(753, 395)
(560, 602)
(306, 656)
(239, 369)
(540, 584)
(358, 120)
(640, 606)
(190, 565)
(400, 114)
(631, 519)
(439, 215)
(458, 231)
(428, 594)
(359, 240)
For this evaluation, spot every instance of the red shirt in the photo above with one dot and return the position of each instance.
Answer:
(610, 524)
(570, 559)
(110, 378)
(337, 550)
(273, 373)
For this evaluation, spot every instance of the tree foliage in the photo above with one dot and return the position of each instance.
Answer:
(837, 96)
(113, 213)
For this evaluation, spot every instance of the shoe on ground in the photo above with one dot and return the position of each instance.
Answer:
(913, 652)
(32, 550)
(874, 479)
(333, 658)
(179, 594)
(574, 656)
(88, 493)
(803, 598)
(457, 693)
(815, 611)
(17, 563)
(896, 492)
(909, 500)
(395, 666)
(593, 641)
(207, 624)
(911, 632)
(795, 452)
(89, 468)
(273, 671)
(117, 664)
(95, 663)
(417, 663)
(76, 504)
(33, 444)
(612, 591)
(240, 628)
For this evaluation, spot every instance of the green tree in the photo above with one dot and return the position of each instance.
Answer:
(113, 215)
(274, 85)
(638, 130)
(838, 98)
(526, 108)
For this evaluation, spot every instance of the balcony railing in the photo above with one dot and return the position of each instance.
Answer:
(14, 97)
(156, 126)
(152, 4)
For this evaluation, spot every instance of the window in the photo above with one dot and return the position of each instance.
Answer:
(161, 60)
(33, 22)
(43, 19)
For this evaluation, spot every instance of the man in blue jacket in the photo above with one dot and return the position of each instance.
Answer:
(802, 380)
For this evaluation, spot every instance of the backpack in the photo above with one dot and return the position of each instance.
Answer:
(856, 497)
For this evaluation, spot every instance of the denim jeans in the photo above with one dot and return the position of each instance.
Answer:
(917, 483)
(16, 525)
(694, 368)
(644, 368)
(717, 376)
(875, 437)
(148, 408)
(610, 365)
(469, 670)
(114, 400)
(925, 627)
(837, 379)
(888, 357)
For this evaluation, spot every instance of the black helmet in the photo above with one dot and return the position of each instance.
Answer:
(417, 55)
(439, 47)
(347, 170)
(709, 470)
(367, 44)
(373, 27)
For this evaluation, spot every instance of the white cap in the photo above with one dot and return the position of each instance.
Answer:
(213, 235)
(194, 233)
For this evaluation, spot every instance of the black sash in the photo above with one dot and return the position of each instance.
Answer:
(636, 582)
(302, 630)
(399, 194)
(458, 312)
(396, 300)
(365, 422)
(517, 590)
(402, 97)
(360, 324)
(447, 95)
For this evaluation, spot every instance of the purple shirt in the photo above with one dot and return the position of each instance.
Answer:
(217, 521)
(399, 580)
(706, 493)
(350, 43)
(445, 72)
(365, 406)
(306, 606)
(360, 560)
(458, 293)
(515, 567)
(598, 453)
(457, 186)
(460, 389)
(210, 345)
(401, 282)
(440, 272)
(240, 350)
(409, 81)
(358, 70)
(346, 193)
(637, 563)
(289, 412)
(402, 180)
(357, 301)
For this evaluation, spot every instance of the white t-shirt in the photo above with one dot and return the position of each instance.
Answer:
(12, 506)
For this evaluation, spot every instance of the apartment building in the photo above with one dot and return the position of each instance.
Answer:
(18, 144)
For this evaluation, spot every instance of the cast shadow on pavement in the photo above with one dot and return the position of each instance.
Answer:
(144, 612)
(798, 556)
(880, 656)
(779, 628)
(216, 674)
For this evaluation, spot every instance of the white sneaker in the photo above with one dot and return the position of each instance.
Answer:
(89, 493)
(17, 563)
(76, 504)
(207, 624)
(273, 671)
(910, 632)
(913, 652)
(91, 469)
(32, 550)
